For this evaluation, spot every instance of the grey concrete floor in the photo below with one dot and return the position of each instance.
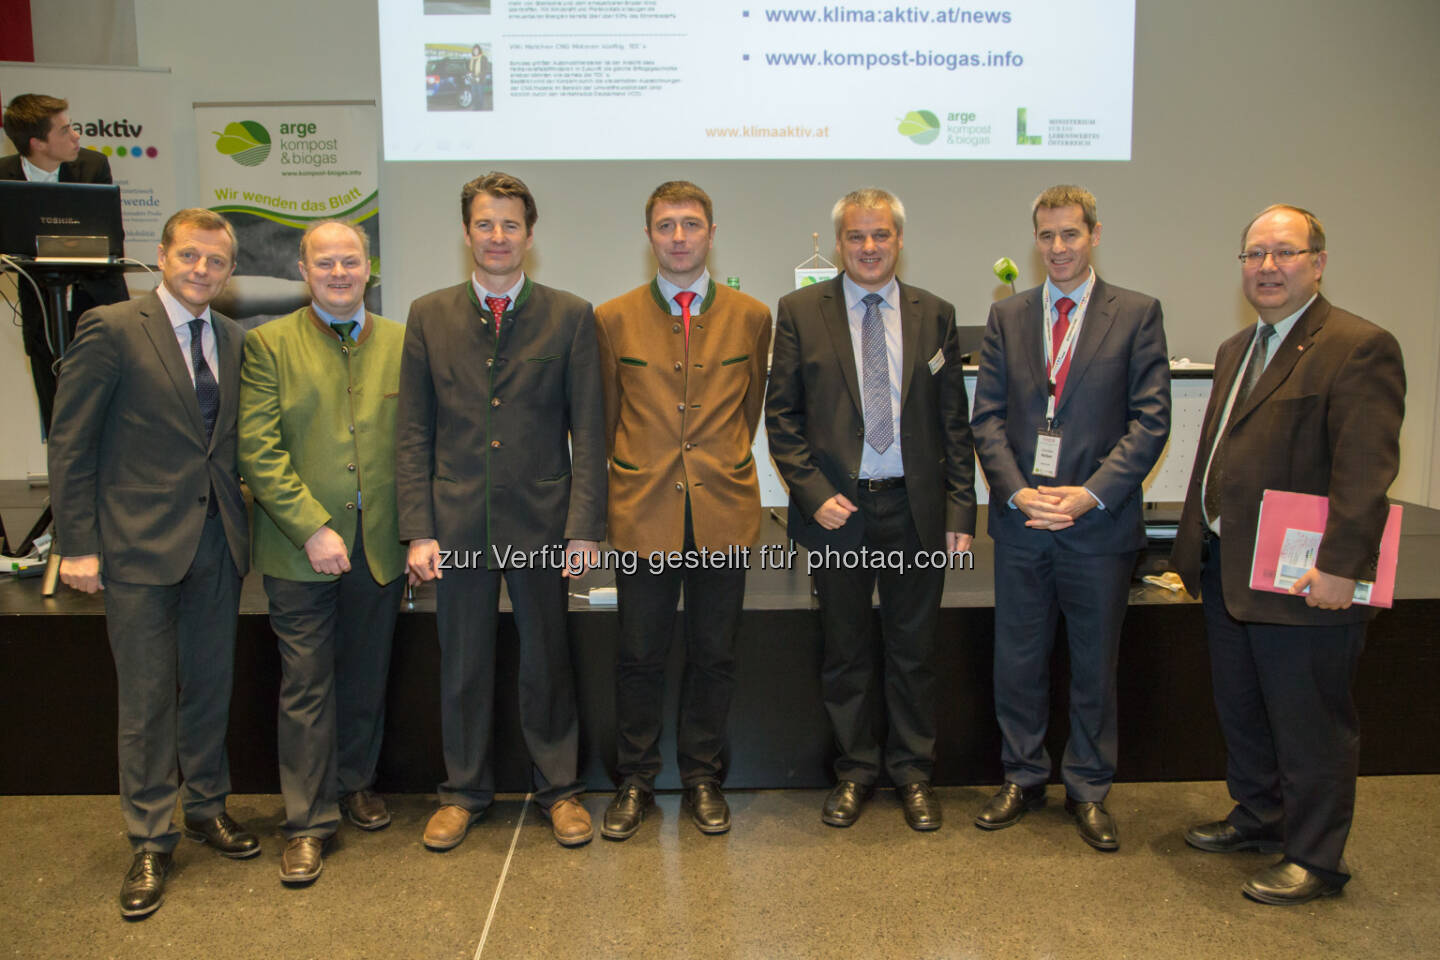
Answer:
(780, 885)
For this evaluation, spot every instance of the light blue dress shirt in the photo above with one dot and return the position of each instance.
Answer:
(358, 317)
(700, 287)
(180, 318)
(875, 465)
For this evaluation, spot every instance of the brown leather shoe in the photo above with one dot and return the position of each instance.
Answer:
(570, 822)
(448, 826)
(303, 859)
(366, 809)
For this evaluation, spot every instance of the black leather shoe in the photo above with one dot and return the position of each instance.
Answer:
(708, 807)
(1286, 884)
(922, 807)
(144, 888)
(1010, 803)
(842, 807)
(302, 860)
(227, 837)
(1094, 823)
(1222, 836)
(625, 813)
(366, 809)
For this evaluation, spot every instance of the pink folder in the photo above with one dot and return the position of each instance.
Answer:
(1288, 535)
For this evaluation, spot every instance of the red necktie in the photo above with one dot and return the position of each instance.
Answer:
(1063, 306)
(685, 298)
(498, 306)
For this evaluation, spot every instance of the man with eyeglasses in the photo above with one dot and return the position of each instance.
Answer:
(1309, 399)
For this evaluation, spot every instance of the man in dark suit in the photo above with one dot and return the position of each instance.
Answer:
(50, 152)
(868, 425)
(142, 464)
(680, 483)
(500, 470)
(1072, 409)
(1309, 400)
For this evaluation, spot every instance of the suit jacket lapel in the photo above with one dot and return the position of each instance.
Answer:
(227, 349)
(156, 323)
(1099, 318)
(837, 320)
(1286, 356)
(910, 321)
(1031, 342)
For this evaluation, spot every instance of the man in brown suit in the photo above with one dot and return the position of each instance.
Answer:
(682, 364)
(1317, 409)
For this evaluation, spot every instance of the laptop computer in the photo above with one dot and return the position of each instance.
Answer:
(61, 222)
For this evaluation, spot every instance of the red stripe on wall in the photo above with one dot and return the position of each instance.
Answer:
(17, 42)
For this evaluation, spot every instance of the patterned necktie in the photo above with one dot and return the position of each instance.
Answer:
(498, 306)
(1248, 379)
(879, 424)
(344, 329)
(685, 298)
(207, 391)
(1063, 306)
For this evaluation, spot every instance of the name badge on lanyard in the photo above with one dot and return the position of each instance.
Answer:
(1047, 440)
(1047, 453)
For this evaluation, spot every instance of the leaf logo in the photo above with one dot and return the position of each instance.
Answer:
(921, 126)
(245, 142)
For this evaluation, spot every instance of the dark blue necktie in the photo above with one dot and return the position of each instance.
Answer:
(207, 391)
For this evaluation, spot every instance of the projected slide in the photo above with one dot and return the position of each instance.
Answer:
(718, 79)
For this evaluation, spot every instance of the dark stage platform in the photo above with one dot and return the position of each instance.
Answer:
(57, 686)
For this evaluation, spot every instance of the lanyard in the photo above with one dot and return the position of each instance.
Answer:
(1076, 316)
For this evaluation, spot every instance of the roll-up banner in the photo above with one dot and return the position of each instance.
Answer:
(273, 169)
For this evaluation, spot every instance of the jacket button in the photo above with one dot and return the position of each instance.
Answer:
(203, 498)
(352, 428)
(680, 407)
(350, 467)
(494, 444)
(675, 328)
(860, 433)
(349, 506)
(679, 365)
(345, 350)
(679, 485)
(689, 446)
(495, 402)
(490, 361)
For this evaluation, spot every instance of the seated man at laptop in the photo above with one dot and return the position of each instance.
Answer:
(50, 152)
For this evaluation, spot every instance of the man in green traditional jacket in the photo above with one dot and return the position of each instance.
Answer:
(318, 396)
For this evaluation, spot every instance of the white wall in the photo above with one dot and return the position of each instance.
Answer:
(1324, 103)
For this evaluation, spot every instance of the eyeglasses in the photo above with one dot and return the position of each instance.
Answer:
(1283, 258)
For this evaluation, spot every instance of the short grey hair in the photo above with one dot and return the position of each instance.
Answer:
(869, 198)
